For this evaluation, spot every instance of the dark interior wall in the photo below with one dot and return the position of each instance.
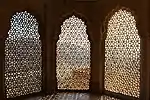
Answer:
(50, 69)
(51, 13)
(95, 12)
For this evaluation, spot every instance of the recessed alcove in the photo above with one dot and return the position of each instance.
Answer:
(74, 50)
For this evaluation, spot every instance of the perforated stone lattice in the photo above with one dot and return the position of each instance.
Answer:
(122, 55)
(23, 61)
(73, 56)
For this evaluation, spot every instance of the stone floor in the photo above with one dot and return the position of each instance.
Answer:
(72, 96)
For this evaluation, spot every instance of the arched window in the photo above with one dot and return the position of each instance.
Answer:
(73, 56)
(122, 55)
(23, 61)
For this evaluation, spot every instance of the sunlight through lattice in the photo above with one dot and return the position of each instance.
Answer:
(23, 61)
(73, 56)
(122, 55)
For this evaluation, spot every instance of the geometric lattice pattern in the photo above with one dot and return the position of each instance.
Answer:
(122, 55)
(73, 56)
(23, 61)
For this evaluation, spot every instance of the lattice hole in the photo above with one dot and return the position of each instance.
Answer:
(73, 56)
(23, 61)
(122, 55)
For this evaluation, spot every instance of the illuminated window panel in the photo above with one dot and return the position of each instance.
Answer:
(122, 55)
(23, 61)
(73, 56)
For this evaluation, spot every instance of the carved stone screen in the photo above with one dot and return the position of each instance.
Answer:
(73, 56)
(122, 55)
(23, 61)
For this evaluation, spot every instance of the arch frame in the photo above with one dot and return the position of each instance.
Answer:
(78, 15)
(111, 13)
(103, 30)
(41, 30)
(56, 38)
